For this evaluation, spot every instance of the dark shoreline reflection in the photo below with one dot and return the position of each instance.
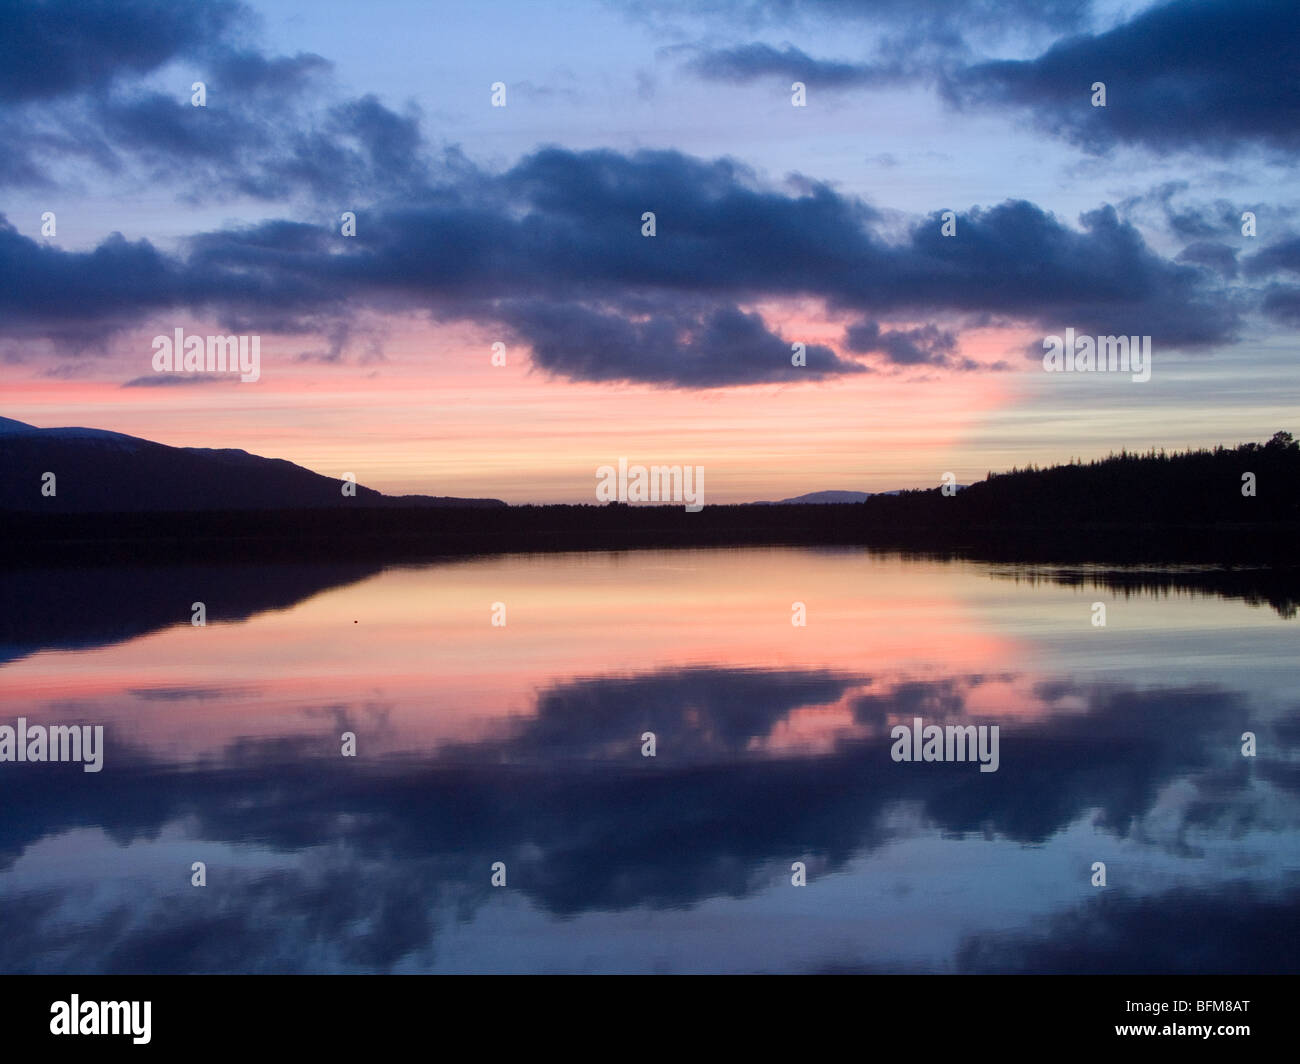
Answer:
(1278, 588)
(80, 608)
(84, 607)
(364, 865)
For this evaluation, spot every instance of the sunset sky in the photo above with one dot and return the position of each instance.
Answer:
(775, 225)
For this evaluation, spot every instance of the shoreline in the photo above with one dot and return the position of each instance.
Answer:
(396, 534)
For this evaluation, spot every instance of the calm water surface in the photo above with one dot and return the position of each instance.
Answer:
(522, 744)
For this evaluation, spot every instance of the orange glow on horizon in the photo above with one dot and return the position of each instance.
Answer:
(436, 417)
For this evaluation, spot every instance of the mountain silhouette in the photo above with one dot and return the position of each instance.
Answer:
(828, 498)
(813, 498)
(122, 499)
(96, 471)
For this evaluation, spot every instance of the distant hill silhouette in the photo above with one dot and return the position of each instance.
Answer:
(824, 498)
(1152, 508)
(109, 472)
(821, 497)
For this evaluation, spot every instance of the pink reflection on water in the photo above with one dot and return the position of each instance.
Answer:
(409, 660)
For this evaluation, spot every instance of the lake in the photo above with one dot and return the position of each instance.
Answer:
(517, 751)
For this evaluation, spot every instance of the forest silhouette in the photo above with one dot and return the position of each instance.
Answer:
(1236, 505)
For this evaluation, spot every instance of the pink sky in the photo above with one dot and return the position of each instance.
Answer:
(434, 416)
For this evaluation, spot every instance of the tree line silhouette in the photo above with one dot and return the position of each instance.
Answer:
(1193, 506)
(1251, 483)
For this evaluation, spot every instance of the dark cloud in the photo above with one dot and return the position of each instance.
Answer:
(1125, 933)
(587, 825)
(1020, 261)
(1280, 257)
(1219, 219)
(1279, 301)
(996, 16)
(552, 248)
(700, 715)
(1208, 75)
(57, 47)
(46, 290)
(720, 346)
(249, 72)
(268, 130)
(1282, 303)
(925, 345)
(244, 146)
(718, 234)
(1219, 257)
(163, 380)
(943, 699)
(750, 62)
(1187, 221)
